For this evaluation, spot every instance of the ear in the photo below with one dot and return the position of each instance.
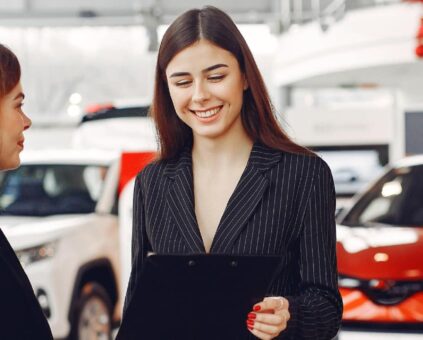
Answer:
(245, 83)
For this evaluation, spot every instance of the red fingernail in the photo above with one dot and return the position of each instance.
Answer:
(252, 316)
(250, 328)
(250, 322)
(256, 308)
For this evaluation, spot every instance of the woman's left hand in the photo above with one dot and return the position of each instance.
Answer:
(269, 317)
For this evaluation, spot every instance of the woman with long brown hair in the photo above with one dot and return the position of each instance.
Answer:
(230, 181)
(21, 317)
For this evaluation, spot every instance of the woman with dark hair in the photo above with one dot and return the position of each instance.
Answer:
(230, 181)
(21, 317)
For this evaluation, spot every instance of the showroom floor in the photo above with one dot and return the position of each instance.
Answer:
(351, 335)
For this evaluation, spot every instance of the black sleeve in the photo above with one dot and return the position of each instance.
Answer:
(316, 312)
(140, 243)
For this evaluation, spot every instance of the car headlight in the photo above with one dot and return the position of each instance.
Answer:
(35, 254)
(348, 282)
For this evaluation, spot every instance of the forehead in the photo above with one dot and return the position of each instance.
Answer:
(199, 56)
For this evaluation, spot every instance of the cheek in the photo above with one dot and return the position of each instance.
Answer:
(177, 104)
(234, 91)
(180, 99)
(8, 159)
(236, 98)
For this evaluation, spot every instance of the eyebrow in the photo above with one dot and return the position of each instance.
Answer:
(20, 96)
(208, 69)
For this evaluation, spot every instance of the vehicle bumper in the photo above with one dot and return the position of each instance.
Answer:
(359, 308)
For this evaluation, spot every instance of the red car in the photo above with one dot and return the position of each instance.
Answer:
(380, 250)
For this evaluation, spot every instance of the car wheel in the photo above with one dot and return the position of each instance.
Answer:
(93, 314)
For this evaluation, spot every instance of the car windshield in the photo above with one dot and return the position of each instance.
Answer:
(44, 190)
(396, 199)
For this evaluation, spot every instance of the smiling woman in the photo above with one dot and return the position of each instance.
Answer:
(21, 316)
(207, 96)
(229, 181)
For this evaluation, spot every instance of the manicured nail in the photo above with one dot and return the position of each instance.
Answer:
(250, 322)
(250, 327)
(256, 308)
(252, 316)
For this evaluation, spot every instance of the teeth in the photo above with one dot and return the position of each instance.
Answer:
(207, 114)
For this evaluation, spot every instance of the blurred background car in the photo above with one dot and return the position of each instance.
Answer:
(380, 250)
(59, 211)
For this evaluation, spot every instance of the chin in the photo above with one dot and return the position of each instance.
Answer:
(209, 135)
(210, 131)
(10, 165)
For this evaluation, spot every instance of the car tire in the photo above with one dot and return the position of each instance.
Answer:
(92, 317)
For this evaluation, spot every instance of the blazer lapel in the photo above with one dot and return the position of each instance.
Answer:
(247, 195)
(180, 200)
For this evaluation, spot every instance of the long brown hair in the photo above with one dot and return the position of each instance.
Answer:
(10, 71)
(257, 113)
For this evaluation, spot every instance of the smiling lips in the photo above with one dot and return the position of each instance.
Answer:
(21, 143)
(206, 114)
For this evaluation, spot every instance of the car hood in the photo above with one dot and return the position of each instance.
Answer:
(26, 232)
(380, 251)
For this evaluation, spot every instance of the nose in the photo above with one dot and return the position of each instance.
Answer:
(26, 121)
(201, 93)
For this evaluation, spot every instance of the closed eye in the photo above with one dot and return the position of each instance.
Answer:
(19, 106)
(183, 83)
(216, 77)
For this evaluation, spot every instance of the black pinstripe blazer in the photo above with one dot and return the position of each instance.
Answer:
(283, 205)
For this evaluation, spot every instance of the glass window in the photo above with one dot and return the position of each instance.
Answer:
(396, 199)
(43, 190)
(352, 169)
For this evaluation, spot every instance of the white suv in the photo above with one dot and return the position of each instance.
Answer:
(59, 212)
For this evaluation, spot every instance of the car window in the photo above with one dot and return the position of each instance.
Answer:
(43, 190)
(396, 199)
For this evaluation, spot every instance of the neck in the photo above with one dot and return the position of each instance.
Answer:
(221, 152)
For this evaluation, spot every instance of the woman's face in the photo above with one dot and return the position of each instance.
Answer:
(12, 124)
(206, 86)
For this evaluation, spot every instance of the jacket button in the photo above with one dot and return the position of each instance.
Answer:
(191, 263)
(233, 263)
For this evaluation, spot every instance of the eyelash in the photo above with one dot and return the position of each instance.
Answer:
(183, 83)
(216, 78)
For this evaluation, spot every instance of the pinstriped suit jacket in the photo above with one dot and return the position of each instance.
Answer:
(283, 205)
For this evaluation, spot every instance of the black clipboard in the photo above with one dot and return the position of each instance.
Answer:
(197, 296)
